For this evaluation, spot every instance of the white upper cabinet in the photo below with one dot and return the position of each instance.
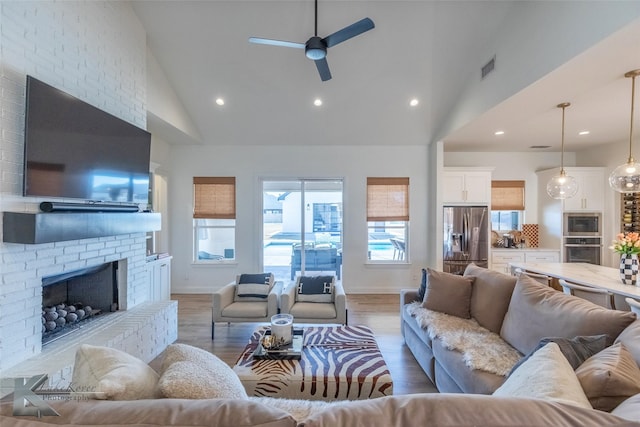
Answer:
(590, 196)
(465, 185)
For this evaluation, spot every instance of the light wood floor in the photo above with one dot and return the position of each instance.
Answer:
(378, 312)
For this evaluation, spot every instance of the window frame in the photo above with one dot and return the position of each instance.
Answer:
(388, 203)
(220, 207)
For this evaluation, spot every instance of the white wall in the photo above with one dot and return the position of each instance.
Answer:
(96, 52)
(250, 164)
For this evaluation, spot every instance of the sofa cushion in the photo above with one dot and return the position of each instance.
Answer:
(609, 377)
(113, 374)
(537, 311)
(490, 296)
(460, 410)
(448, 293)
(192, 373)
(469, 380)
(157, 412)
(545, 375)
(629, 409)
(630, 337)
(311, 310)
(576, 350)
(315, 289)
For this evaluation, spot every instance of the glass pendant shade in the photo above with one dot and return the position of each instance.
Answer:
(562, 186)
(626, 177)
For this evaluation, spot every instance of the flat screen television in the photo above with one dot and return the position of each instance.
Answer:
(75, 150)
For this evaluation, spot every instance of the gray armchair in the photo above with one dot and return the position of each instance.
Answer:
(227, 309)
(314, 312)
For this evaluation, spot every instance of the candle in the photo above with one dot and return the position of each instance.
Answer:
(282, 328)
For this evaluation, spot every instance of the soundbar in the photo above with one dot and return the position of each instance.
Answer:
(86, 207)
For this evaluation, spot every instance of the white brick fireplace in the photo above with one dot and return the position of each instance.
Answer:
(95, 51)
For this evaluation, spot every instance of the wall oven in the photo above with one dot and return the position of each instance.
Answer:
(583, 249)
(582, 224)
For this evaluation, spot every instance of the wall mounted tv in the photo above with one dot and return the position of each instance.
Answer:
(75, 150)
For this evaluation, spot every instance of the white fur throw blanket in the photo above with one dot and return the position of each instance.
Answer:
(482, 349)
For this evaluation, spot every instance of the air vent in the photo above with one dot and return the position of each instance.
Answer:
(489, 67)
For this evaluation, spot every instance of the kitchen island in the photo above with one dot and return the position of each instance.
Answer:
(596, 276)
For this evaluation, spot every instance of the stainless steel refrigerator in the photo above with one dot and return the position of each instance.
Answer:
(466, 235)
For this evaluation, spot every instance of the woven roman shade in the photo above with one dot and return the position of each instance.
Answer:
(214, 197)
(387, 199)
(507, 195)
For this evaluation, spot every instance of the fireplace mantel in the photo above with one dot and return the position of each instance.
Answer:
(35, 228)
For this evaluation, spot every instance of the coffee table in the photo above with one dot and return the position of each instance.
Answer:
(337, 363)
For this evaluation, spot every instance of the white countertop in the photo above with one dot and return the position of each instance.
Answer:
(585, 274)
(524, 249)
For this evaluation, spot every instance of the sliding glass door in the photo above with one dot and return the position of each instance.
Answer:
(302, 227)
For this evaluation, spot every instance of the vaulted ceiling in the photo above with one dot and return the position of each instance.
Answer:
(420, 49)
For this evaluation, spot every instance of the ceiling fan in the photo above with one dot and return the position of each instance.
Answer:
(316, 48)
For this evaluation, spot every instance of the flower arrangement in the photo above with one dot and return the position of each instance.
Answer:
(626, 243)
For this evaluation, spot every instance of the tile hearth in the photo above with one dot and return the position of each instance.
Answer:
(143, 331)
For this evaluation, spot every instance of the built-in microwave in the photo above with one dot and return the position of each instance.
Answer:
(583, 224)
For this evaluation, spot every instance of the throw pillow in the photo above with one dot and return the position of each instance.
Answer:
(113, 374)
(536, 312)
(609, 377)
(630, 337)
(315, 289)
(576, 350)
(629, 409)
(490, 296)
(253, 287)
(423, 285)
(545, 375)
(192, 373)
(448, 293)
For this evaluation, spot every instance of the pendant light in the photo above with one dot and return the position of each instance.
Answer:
(562, 186)
(626, 178)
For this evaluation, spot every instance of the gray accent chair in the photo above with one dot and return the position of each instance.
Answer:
(315, 312)
(226, 309)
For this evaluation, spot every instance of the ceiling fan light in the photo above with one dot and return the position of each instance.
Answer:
(626, 178)
(562, 186)
(315, 53)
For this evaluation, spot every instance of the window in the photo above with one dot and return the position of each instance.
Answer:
(214, 219)
(388, 219)
(507, 205)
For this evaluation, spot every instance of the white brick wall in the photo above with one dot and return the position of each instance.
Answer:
(96, 52)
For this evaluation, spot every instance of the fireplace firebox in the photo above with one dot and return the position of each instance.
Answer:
(71, 299)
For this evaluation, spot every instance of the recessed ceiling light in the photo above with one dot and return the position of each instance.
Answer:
(220, 101)
(499, 132)
(584, 132)
(414, 102)
(317, 102)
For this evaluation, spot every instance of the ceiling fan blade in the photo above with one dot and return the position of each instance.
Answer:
(271, 42)
(323, 68)
(346, 33)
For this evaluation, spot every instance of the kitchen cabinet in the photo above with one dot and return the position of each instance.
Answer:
(159, 272)
(466, 185)
(590, 196)
(501, 258)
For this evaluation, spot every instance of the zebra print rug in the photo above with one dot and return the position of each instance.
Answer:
(337, 363)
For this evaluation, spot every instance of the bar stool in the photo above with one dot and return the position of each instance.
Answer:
(634, 305)
(545, 280)
(601, 297)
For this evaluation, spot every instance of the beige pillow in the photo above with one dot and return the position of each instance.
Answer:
(112, 374)
(192, 373)
(609, 377)
(490, 296)
(536, 312)
(630, 337)
(545, 375)
(448, 293)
